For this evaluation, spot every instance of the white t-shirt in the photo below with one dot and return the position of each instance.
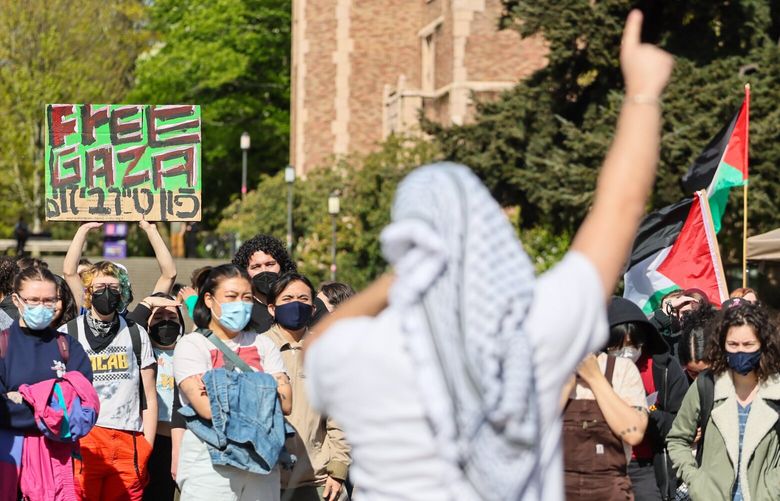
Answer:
(116, 378)
(194, 354)
(361, 375)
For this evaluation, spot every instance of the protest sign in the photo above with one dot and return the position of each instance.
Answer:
(108, 162)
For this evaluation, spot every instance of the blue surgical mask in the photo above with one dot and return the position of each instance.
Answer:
(235, 315)
(743, 363)
(38, 317)
(294, 315)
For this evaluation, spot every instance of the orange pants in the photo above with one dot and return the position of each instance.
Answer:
(107, 470)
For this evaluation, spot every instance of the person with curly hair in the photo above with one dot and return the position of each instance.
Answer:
(697, 331)
(264, 258)
(739, 448)
(8, 270)
(264, 253)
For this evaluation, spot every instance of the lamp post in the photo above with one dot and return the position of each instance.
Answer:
(289, 178)
(334, 207)
(245, 143)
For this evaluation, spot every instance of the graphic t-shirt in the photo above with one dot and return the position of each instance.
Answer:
(194, 354)
(164, 384)
(116, 377)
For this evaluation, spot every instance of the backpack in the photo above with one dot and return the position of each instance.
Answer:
(135, 339)
(62, 345)
(705, 385)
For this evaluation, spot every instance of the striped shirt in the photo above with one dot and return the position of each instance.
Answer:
(743, 413)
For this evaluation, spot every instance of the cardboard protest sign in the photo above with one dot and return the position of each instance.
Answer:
(109, 162)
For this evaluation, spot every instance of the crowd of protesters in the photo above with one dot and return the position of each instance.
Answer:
(458, 375)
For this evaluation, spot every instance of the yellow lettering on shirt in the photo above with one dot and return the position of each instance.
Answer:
(114, 362)
(166, 382)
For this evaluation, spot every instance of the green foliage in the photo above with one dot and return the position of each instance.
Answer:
(366, 184)
(55, 51)
(541, 144)
(233, 58)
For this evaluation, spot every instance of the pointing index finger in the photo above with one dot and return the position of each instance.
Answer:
(632, 32)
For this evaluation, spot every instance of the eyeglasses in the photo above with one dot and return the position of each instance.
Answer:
(49, 302)
(102, 287)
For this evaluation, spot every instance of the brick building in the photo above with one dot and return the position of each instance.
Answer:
(362, 69)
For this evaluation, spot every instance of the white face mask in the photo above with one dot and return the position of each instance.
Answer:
(628, 352)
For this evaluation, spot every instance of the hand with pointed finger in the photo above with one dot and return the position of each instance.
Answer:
(646, 68)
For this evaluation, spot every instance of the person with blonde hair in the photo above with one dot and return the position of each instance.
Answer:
(115, 454)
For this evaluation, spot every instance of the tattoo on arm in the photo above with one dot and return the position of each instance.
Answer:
(627, 431)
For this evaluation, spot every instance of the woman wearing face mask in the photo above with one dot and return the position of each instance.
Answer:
(31, 352)
(739, 456)
(319, 443)
(165, 325)
(224, 307)
(115, 453)
(633, 337)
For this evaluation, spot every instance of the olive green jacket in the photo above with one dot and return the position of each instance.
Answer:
(759, 469)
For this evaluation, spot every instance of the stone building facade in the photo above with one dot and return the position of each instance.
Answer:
(363, 69)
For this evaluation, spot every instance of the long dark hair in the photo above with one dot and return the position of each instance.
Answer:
(201, 314)
(69, 309)
(698, 328)
(757, 317)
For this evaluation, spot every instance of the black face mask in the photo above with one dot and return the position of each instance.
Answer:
(263, 282)
(165, 333)
(106, 301)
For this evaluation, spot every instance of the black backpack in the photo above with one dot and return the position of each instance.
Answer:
(705, 385)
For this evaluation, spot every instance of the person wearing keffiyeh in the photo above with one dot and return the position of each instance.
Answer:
(446, 374)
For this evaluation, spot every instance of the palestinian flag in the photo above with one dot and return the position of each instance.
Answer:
(723, 164)
(675, 248)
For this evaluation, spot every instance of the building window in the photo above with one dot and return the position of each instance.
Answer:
(428, 75)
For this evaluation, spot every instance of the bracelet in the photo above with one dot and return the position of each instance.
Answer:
(642, 99)
(149, 306)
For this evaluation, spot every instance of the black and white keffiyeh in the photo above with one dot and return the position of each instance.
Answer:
(465, 285)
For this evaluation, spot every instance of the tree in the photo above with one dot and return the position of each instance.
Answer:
(56, 52)
(233, 58)
(366, 184)
(540, 145)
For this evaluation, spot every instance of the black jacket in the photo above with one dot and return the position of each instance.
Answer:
(670, 382)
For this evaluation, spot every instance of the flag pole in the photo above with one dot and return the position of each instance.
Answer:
(745, 188)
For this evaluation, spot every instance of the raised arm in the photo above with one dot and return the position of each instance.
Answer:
(625, 421)
(71, 264)
(164, 258)
(627, 175)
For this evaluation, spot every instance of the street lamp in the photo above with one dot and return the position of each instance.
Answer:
(334, 206)
(289, 178)
(245, 142)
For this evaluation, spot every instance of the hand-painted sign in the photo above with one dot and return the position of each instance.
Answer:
(109, 162)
